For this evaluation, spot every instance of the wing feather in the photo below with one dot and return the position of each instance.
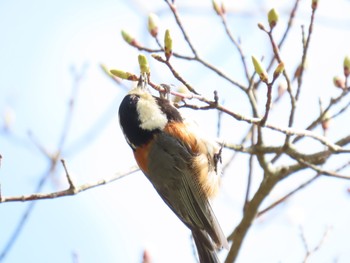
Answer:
(171, 173)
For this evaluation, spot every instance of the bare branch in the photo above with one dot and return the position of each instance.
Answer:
(305, 50)
(332, 102)
(287, 196)
(287, 131)
(53, 162)
(309, 252)
(286, 32)
(237, 45)
(250, 213)
(303, 185)
(249, 181)
(194, 51)
(179, 23)
(268, 104)
(323, 171)
(175, 73)
(71, 190)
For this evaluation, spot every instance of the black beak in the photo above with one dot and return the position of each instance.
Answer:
(142, 84)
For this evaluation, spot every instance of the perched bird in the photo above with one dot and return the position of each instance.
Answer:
(181, 164)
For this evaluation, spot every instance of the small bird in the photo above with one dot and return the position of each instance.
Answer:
(181, 164)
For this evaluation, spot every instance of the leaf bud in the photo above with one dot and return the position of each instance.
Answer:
(129, 38)
(272, 17)
(123, 74)
(168, 44)
(143, 63)
(260, 70)
(153, 22)
(339, 82)
(278, 70)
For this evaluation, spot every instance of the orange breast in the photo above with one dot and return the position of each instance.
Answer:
(141, 157)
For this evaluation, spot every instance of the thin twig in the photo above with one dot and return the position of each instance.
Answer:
(221, 74)
(52, 169)
(175, 73)
(297, 189)
(71, 190)
(161, 50)
(268, 104)
(323, 171)
(237, 45)
(309, 252)
(218, 126)
(179, 23)
(238, 147)
(286, 32)
(317, 121)
(305, 51)
(69, 179)
(257, 121)
(338, 113)
(287, 196)
(194, 51)
(249, 181)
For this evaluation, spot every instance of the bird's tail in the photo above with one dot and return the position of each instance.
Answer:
(205, 248)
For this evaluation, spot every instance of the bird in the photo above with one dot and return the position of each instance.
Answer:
(179, 161)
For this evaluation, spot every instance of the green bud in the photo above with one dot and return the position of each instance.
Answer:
(272, 17)
(339, 82)
(260, 70)
(346, 66)
(129, 39)
(217, 8)
(143, 63)
(168, 44)
(278, 70)
(153, 22)
(123, 75)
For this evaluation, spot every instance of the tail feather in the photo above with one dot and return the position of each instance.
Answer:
(205, 247)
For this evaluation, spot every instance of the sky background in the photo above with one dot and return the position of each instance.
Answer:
(44, 45)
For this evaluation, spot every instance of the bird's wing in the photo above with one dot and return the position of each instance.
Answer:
(171, 173)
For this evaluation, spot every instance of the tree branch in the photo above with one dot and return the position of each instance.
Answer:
(71, 190)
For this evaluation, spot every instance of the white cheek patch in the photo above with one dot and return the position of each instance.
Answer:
(151, 116)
